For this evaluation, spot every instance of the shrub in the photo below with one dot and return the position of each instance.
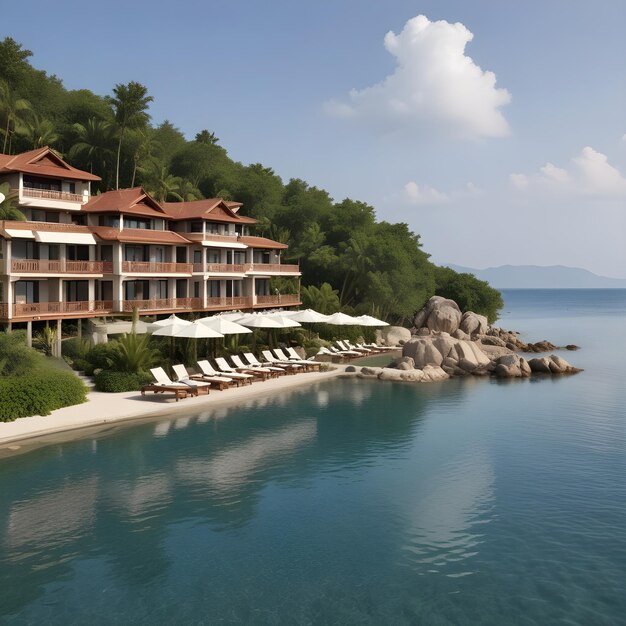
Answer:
(116, 382)
(102, 354)
(38, 393)
(134, 354)
(75, 348)
(16, 358)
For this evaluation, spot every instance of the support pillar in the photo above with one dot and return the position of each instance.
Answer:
(58, 339)
(29, 334)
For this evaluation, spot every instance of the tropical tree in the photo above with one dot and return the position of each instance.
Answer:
(142, 146)
(37, 131)
(134, 354)
(8, 208)
(95, 144)
(160, 183)
(130, 103)
(204, 136)
(324, 299)
(11, 109)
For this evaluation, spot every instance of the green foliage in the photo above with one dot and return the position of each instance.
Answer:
(134, 354)
(45, 340)
(116, 382)
(323, 299)
(470, 293)
(75, 348)
(38, 393)
(101, 356)
(16, 358)
(8, 208)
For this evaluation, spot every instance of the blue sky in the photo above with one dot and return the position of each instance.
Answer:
(530, 168)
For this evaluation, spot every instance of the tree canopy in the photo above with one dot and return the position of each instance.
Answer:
(348, 259)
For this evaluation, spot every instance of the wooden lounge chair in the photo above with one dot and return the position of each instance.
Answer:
(270, 358)
(163, 383)
(210, 372)
(345, 345)
(307, 363)
(183, 376)
(254, 362)
(242, 367)
(225, 368)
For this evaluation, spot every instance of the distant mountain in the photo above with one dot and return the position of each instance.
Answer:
(542, 277)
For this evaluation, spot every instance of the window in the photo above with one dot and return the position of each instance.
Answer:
(137, 222)
(71, 187)
(76, 290)
(234, 288)
(239, 258)
(262, 287)
(53, 251)
(112, 221)
(197, 256)
(136, 290)
(22, 249)
(77, 253)
(104, 289)
(181, 287)
(213, 256)
(196, 289)
(214, 288)
(135, 253)
(37, 215)
(195, 227)
(26, 292)
(212, 228)
(36, 182)
(161, 290)
(106, 253)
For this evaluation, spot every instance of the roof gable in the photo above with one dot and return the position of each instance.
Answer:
(43, 162)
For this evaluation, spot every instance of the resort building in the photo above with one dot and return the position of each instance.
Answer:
(83, 256)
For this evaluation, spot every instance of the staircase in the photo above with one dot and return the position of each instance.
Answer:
(87, 380)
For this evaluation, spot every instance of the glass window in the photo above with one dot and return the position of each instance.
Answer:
(135, 253)
(26, 292)
(161, 291)
(197, 256)
(213, 228)
(136, 290)
(214, 288)
(195, 227)
(76, 290)
(36, 182)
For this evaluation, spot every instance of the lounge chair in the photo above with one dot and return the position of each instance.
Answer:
(225, 368)
(183, 376)
(347, 353)
(208, 370)
(163, 383)
(347, 346)
(296, 358)
(254, 362)
(270, 358)
(242, 367)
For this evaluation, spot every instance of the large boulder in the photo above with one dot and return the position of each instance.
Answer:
(540, 365)
(433, 373)
(473, 324)
(393, 335)
(423, 352)
(445, 344)
(439, 314)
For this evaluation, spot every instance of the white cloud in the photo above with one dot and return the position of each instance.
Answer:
(423, 194)
(434, 86)
(590, 174)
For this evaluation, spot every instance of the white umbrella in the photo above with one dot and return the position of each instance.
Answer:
(169, 330)
(285, 322)
(195, 330)
(341, 319)
(224, 326)
(259, 321)
(172, 319)
(368, 320)
(231, 317)
(308, 316)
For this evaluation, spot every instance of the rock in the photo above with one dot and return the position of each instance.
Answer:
(433, 373)
(300, 351)
(403, 360)
(405, 366)
(445, 344)
(541, 346)
(423, 332)
(459, 334)
(488, 340)
(371, 371)
(412, 376)
(572, 346)
(494, 352)
(350, 369)
(388, 373)
(394, 335)
(481, 357)
(540, 365)
(439, 314)
(473, 324)
(507, 371)
(450, 362)
(524, 368)
(510, 345)
(466, 365)
(423, 352)
(509, 360)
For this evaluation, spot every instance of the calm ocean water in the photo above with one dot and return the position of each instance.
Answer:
(469, 501)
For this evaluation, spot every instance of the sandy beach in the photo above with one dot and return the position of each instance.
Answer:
(103, 409)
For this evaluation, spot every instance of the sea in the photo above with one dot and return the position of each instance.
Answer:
(470, 501)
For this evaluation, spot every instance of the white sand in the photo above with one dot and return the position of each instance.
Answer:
(108, 408)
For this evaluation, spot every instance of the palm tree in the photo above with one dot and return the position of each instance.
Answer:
(8, 210)
(143, 143)
(38, 131)
(158, 182)
(324, 299)
(204, 136)
(188, 191)
(130, 103)
(356, 263)
(11, 106)
(95, 143)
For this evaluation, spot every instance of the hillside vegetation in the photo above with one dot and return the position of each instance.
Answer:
(348, 258)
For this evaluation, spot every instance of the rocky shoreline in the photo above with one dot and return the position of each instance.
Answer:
(445, 343)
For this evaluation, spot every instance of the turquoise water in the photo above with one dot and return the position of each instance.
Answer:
(469, 501)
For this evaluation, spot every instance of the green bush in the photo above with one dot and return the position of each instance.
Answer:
(116, 382)
(74, 348)
(16, 358)
(102, 354)
(38, 393)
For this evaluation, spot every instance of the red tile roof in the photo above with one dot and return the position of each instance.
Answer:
(138, 235)
(262, 242)
(133, 201)
(42, 162)
(211, 209)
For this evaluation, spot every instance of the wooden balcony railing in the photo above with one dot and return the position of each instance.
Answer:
(229, 302)
(218, 268)
(157, 304)
(278, 300)
(61, 308)
(49, 194)
(141, 267)
(272, 267)
(44, 266)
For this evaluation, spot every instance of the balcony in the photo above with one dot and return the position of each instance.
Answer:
(273, 268)
(141, 267)
(220, 268)
(43, 266)
(34, 310)
(49, 194)
(229, 302)
(286, 299)
(162, 304)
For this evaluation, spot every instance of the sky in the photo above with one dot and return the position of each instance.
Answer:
(495, 128)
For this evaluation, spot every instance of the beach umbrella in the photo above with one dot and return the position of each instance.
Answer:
(368, 320)
(195, 330)
(168, 328)
(223, 326)
(285, 322)
(230, 316)
(256, 320)
(307, 316)
(172, 320)
(341, 319)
